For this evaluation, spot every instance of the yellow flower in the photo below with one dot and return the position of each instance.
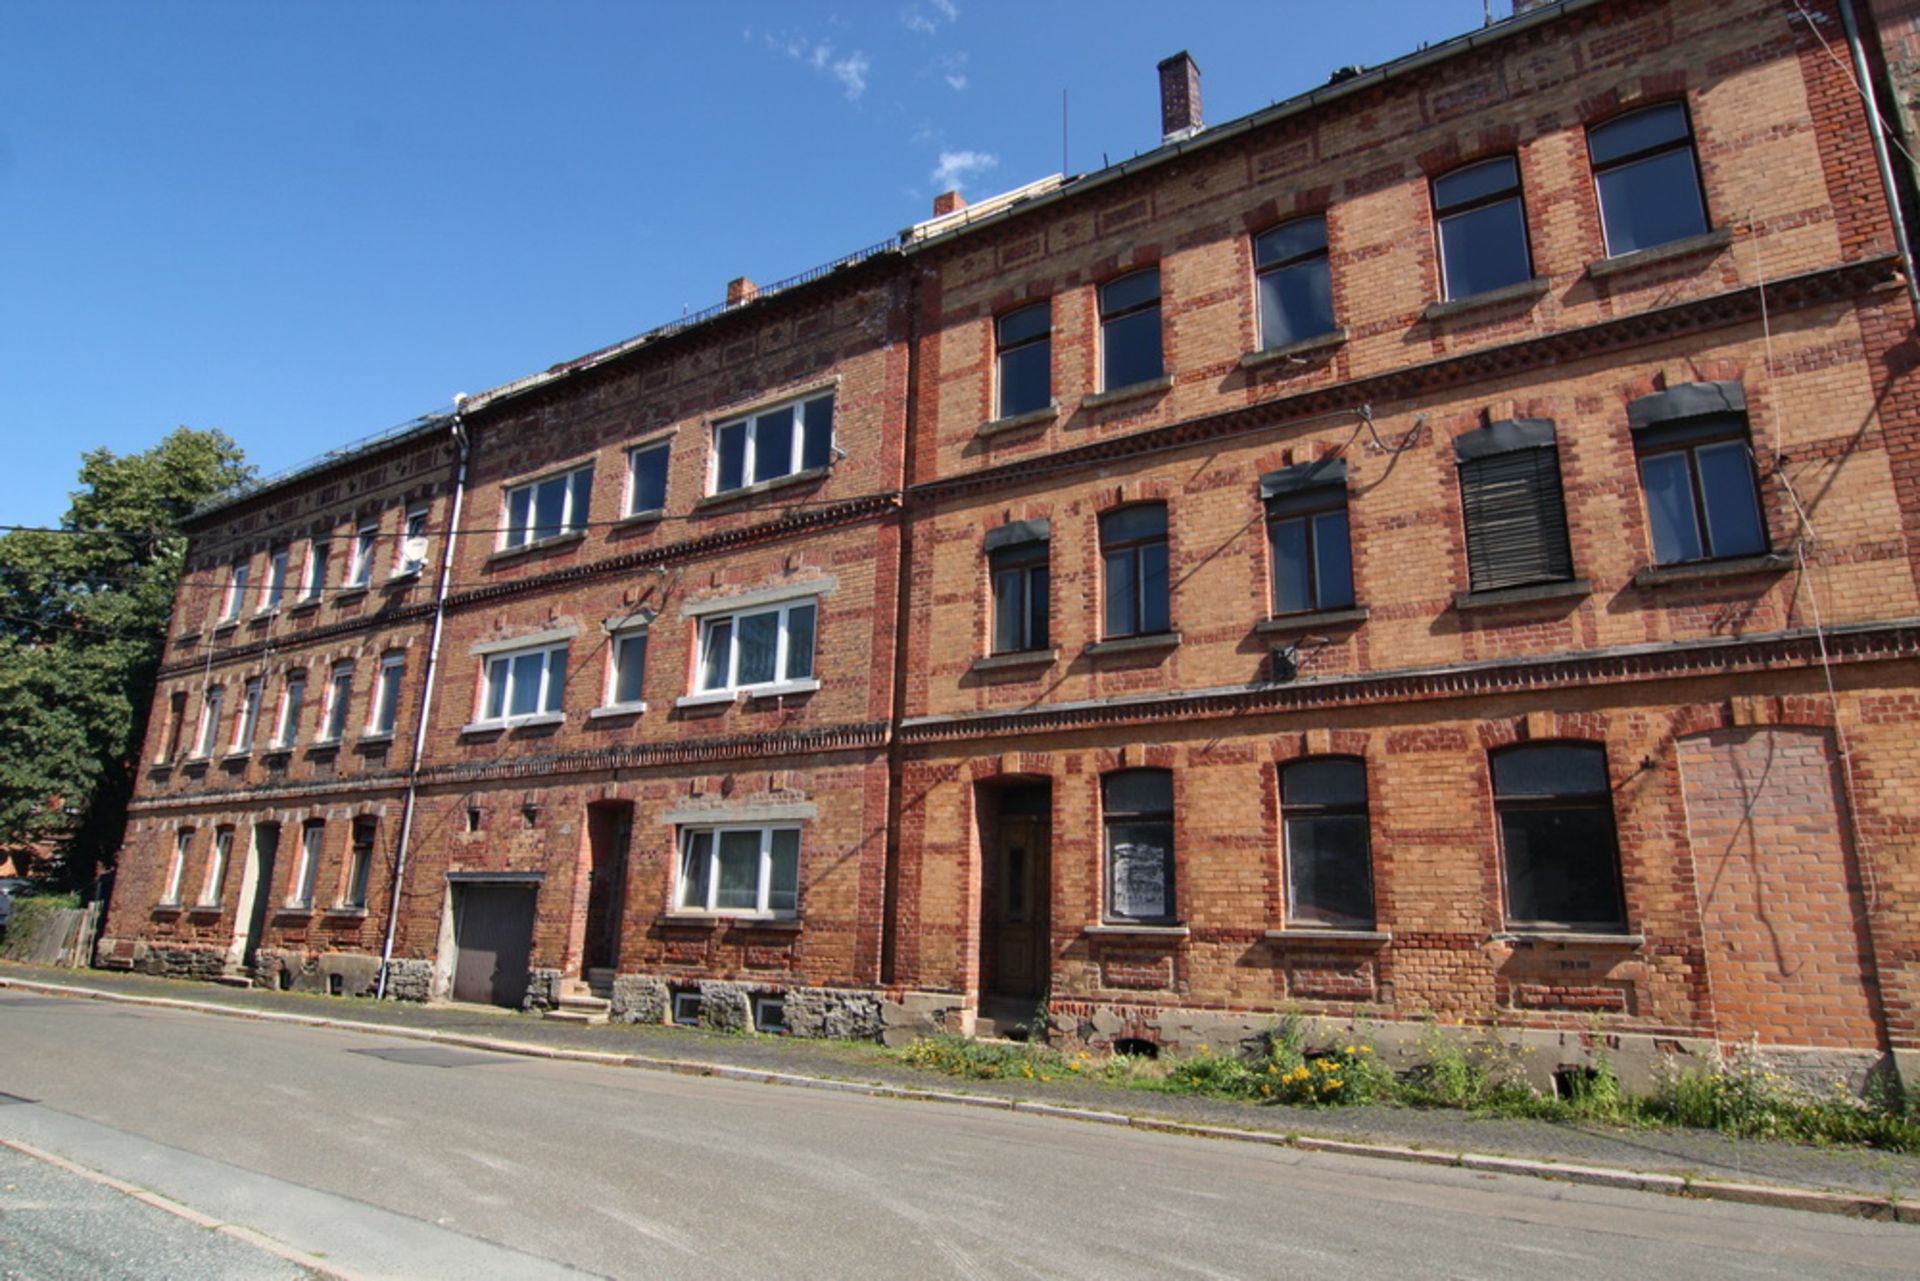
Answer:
(1350, 1049)
(1366, 1049)
(1334, 1083)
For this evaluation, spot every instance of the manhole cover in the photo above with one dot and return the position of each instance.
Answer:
(430, 1056)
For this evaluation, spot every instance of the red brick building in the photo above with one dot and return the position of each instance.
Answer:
(1444, 545)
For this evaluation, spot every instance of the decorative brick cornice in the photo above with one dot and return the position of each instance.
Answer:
(1831, 284)
(299, 640)
(1618, 666)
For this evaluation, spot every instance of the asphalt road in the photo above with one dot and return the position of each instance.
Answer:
(397, 1158)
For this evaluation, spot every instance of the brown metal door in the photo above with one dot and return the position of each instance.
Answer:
(493, 939)
(1018, 915)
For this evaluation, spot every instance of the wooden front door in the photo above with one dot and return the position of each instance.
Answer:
(609, 831)
(1017, 908)
(493, 940)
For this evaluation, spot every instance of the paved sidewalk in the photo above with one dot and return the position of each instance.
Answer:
(1692, 1155)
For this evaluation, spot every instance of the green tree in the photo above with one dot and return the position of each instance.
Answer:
(83, 615)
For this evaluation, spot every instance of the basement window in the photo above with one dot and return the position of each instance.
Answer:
(686, 1007)
(770, 1014)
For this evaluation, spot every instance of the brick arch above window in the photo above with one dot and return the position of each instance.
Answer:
(1536, 727)
(1015, 765)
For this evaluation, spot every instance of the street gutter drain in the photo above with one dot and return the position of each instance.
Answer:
(431, 1056)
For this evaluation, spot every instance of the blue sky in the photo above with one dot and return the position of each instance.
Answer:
(305, 222)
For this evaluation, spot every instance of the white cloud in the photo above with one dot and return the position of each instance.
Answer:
(956, 168)
(851, 72)
(914, 20)
(956, 83)
(948, 9)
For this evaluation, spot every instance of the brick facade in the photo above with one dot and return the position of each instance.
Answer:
(1750, 714)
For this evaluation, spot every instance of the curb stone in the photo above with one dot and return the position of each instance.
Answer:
(1851, 1205)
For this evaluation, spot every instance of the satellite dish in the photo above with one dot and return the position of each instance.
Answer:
(414, 550)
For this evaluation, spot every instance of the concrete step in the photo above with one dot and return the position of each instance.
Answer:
(575, 1008)
(234, 980)
(585, 1018)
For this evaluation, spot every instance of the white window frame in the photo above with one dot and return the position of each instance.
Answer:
(731, 688)
(313, 846)
(366, 540)
(412, 526)
(215, 880)
(634, 455)
(617, 641)
(750, 423)
(273, 586)
(176, 870)
(318, 552)
(552, 707)
(236, 592)
(333, 717)
(385, 703)
(246, 722)
(208, 732)
(514, 537)
(355, 852)
(286, 719)
(762, 908)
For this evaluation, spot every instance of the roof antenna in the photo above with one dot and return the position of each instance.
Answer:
(1064, 170)
(1486, 7)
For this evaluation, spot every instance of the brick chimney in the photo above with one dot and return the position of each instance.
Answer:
(741, 290)
(948, 202)
(1179, 98)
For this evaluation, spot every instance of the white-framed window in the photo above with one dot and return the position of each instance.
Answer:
(647, 478)
(740, 871)
(212, 889)
(360, 862)
(523, 683)
(411, 556)
(209, 721)
(759, 649)
(273, 588)
(313, 839)
(365, 539)
(286, 726)
(548, 507)
(770, 1014)
(627, 670)
(316, 584)
(246, 721)
(686, 1006)
(333, 720)
(773, 442)
(182, 841)
(236, 592)
(385, 708)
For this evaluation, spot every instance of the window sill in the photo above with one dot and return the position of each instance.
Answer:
(168, 909)
(1525, 291)
(617, 709)
(186, 638)
(225, 627)
(1707, 570)
(1712, 241)
(1133, 391)
(1576, 938)
(1289, 623)
(350, 593)
(205, 909)
(235, 758)
(1295, 351)
(1133, 644)
(305, 605)
(762, 487)
(260, 617)
(712, 698)
(279, 749)
(1467, 601)
(1026, 658)
(1140, 931)
(402, 578)
(640, 520)
(506, 554)
(381, 738)
(196, 762)
(319, 745)
(294, 909)
(514, 722)
(781, 689)
(346, 913)
(714, 920)
(1319, 934)
(1015, 422)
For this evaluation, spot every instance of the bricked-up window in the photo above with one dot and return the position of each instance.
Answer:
(236, 592)
(1133, 546)
(763, 649)
(1137, 812)
(386, 695)
(548, 508)
(365, 539)
(740, 871)
(1307, 537)
(412, 557)
(1017, 576)
(1130, 330)
(246, 718)
(316, 582)
(1023, 344)
(273, 588)
(523, 683)
(1295, 282)
(1482, 224)
(182, 843)
(333, 723)
(209, 721)
(1647, 179)
(360, 862)
(313, 840)
(1516, 516)
(771, 443)
(1557, 837)
(1323, 806)
(293, 699)
(1702, 503)
(627, 669)
(214, 887)
(647, 479)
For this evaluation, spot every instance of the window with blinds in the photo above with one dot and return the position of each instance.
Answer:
(1516, 516)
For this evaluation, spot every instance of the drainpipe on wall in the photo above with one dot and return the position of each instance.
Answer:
(462, 447)
(1876, 130)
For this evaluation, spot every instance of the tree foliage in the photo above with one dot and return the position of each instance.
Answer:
(83, 615)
